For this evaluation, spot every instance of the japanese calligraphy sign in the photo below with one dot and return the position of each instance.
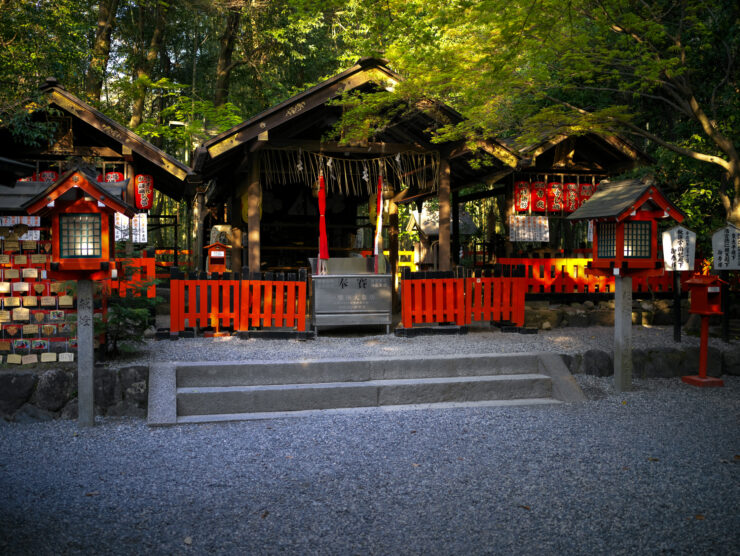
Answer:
(554, 196)
(539, 196)
(679, 249)
(726, 248)
(522, 196)
(528, 228)
(572, 197)
(143, 191)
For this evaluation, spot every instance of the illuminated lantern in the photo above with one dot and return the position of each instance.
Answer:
(625, 215)
(48, 176)
(539, 196)
(32, 177)
(113, 176)
(522, 196)
(572, 197)
(554, 196)
(143, 191)
(585, 191)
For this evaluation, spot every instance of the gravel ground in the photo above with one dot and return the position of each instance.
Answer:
(656, 470)
(340, 343)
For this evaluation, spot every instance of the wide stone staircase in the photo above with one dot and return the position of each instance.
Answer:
(195, 392)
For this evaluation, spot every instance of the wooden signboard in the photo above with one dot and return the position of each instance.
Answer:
(20, 259)
(39, 288)
(28, 245)
(48, 357)
(30, 301)
(66, 357)
(4, 316)
(48, 301)
(39, 316)
(21, 286)
(14, 359)
(11, 302)
(32, 273)
(11, 273)
(66, 301)
(10, 245)
(4, 287)
(56, 287)
(30, 329)
(4, 259)
(21, 314)
(30, 359)
(48, 329)
(37, 258)
(4, 345)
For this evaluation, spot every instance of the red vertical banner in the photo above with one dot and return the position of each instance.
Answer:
(554, 196)
(522, 196)
(539, 196)
(572, 197)
(323, 241)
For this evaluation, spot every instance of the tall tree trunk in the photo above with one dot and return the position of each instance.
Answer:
(101, 49)
(144, 70)
(226, 50)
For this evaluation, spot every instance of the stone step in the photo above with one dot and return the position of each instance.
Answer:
(391, 392)
(223, 391)
(255, 373)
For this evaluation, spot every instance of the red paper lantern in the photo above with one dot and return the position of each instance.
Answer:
(32, 177)
(143, 191)
(539, 196)
(572, 197)
(49, 176)
(585, 191)
(554, 196)
(113, 176)
(522, 196)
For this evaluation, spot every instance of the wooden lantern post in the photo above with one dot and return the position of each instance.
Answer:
(625, 245)
(81, 212)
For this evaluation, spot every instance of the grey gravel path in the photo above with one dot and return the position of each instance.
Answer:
(653, 471)
(369, 343)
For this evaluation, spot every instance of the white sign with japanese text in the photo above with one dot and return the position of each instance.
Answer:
(138, 228)
(679, 249)
(528, 228)
(726, 248)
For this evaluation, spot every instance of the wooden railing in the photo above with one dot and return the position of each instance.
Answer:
(237, 305)
(133, 273)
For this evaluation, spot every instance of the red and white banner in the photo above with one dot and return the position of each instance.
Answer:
(554, 196)
(572, 197)
(539, 196)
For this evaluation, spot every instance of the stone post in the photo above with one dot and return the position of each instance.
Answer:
(85, 393)
(622, 333)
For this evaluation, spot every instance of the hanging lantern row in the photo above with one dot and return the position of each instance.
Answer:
(540, 196)
(49, 176)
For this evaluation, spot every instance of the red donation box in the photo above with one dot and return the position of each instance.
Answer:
(143, 191)
(216, 261)
(706, 300)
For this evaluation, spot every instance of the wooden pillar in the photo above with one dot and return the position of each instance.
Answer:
(236, 249)
(254, 194)
(455, 240)
(444, 214)
(393, 247)
(199, 213)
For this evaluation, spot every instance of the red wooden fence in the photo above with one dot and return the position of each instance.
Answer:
(568, 275)
(140, 270)
(496, 299)
(435, 300)
(237, 304)
(461, 300)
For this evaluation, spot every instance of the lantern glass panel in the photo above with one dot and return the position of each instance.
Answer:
(80, 236)
(607, 240)
(637, 240)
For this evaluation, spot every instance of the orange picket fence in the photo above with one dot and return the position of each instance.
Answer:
(237, 304)
(433, 300)
(568, 275)
(458, 300)
(496, 299)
